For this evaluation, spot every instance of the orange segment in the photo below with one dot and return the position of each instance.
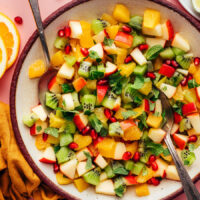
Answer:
(36, 69)
(3, 58)
(10, 36)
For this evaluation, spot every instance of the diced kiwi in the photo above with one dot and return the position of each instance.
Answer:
(109, 171)
(84, 69)
(137, 168)
(175, 79)
(98, 25)
(93, 177)
(140, 70)
(178, 51)
(70, 127)
(137, 40)
(126, 93)
(70, 60)
(129, 164)
(109, 100)
(150, 67)
(84, 91)
(60, 42)
(65, 139)
(88, 102)
(167, 54)
(118, 168)
(119, 186)
(64, 154)
(145, 156)
(184, 125)
(188, 157)
(30, 119)
(115, 129)
(75, 99)
(101, 68)
(136, 22)
(51, 100)
(184, 61)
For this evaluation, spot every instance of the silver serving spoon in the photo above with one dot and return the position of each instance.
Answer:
(44, 80)
(188, 186)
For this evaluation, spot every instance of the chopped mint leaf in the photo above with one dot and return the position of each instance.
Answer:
(129, 113)
(192, 83)
(166, 152)
(153, 52)
(52, 131)
(95, 123)
(95, 74)
(155, 93)
(66, 88)
(94, 55)
(56, 148)
(108, 41)
(119, 191)
(138, 83)
(120, 170)
(155, 148)
(177, 107)
(89, 161)
(38, 128)
(143, 119)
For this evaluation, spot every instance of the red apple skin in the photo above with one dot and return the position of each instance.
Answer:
(77, 120)
(124, 38)
(179, 142)
(146, 105)
(197, 89)
(51, 83)
(167, 70)
(170, 29)
(101, 92)
(189, 108)
(109, 72)
(131, 179)
(44, 160)
(177, 118)
(33, 130)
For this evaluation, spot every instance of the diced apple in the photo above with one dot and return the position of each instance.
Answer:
(180, 42)
(48, 156)
(53, 86)
(155, 41)
(157, 135)
(171, 173)
(130, 180)
(103, 176)
(146, 105)
(168, 30)
(99, 38)
(40, 112)
(98, 48)
(38, 128)
(100, 161)
(198, 92)
(158, 107)
(157, 31)
(195, 121)
(175, 129)
(76, 29)
(81, 168)
(80, 154)
(168, 90)
(177, 118)
(68, 102)
(110, 68)
(183, 71)
(111, 49)
(105, 187)
(66, 72)
(162, 167)
(120, 149)
(180, 140)
(81, 121)
(189, 108)
(69, 168)
(138, 56)
(166, 70)
(123, 40)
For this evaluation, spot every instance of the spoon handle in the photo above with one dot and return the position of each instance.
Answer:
(36, 13)
(188, 186)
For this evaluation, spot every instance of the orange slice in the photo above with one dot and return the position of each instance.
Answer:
(10, 36)
(3, 58)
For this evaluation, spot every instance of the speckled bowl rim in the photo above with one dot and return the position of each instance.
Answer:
(19, 64)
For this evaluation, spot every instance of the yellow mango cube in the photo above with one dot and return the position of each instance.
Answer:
(118, 114)
(151, 18)
(109, 19)
(197, 76)
(40, 143)
(82, 141)
(132, 133)
(144, 178)
(167, 158)
(62, 180)
(53, 140)
(132, 147)
(121, 13)
(91, 84)
(192, 69)
(80, 184)
(146, 89)
(121, 55)
(179, 94)
(37, 69)
(190, 95)
(57, 59)
(127, 69)
(56, 122)
(112, 31)
(154, 121)
(142, 190)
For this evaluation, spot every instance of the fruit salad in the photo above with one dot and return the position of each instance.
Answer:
(105, 128)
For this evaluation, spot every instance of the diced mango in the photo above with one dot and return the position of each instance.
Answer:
(121, 13)
(158, 63)
(60, 80)
(139, 110)
(151, 18)
(132, 147)
(37, 69)
(179, 94)
(62, 180)
(190, 95)
(127, 69)
(53, 140)
(99, 112)
(142, 190)
(91, 84)
(112, 31)
(107, 147)
(109, 18)
(154, 121)
(40, 143)
(132, 133)
(121, 55)
(144, 178)
(57, 59)
(118, 114)
(82, 141)
(197, 76)
(80, 184)
(192, 69)
(146, 89)
(56, 122)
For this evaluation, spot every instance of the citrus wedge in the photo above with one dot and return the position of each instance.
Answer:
(196, 5)
(10, 36)
(3, 58)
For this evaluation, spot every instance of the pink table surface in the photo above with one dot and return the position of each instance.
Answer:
(21, 8)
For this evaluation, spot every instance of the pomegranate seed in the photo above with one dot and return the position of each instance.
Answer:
(127, 155)
(85, 52)
(45, 137)
(174, 63)
(164, 174)
(155, 181)
(85, 130)
(190, 77)
(136, 156)
(56, 168)
(102, 82)
(73, 145)
(107, 113)
(168, 62)
(154, 166)
(152, 158)
(184, 81)
(128, 59)
(192, 138)
(67, 31)
(196, 61)
(18, 20)
(93, 134)
(143, 47)
(112, 119)
(126, 29)
(149, 181)
(106, 33)
(61, 33)
(151, 75)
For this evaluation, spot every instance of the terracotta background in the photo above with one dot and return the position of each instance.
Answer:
(21, 8)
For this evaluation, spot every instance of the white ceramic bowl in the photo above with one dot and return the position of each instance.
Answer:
(24, 91)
